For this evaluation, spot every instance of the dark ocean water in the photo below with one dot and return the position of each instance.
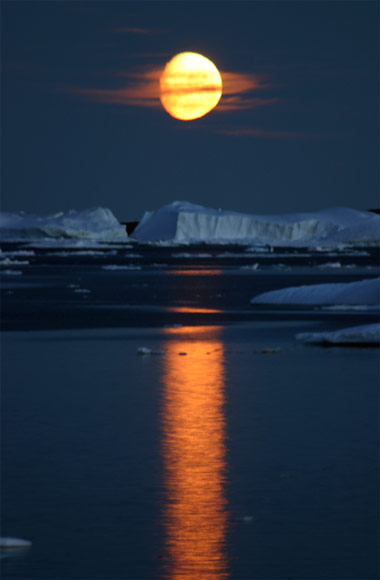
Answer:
(210, 460)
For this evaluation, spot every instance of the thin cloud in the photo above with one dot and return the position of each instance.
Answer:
(143, 90)
(129, 97)
(266, 133)
(235, 83)
(241, 103)
(238, 91)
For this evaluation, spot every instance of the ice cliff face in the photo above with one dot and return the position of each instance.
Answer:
(186, 222)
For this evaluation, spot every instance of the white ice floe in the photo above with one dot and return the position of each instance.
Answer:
(192, 255)
(11, 272)
(90, 224)
(260, 249)
(336, 265)
(9, 262)
(7, 543)
(341, 248)
(121, 267)
(18, 253)
(182, 222)
(69, 254)
(353, 307)
(330, 265)
(364, 292)
(231, 255)
(368, 334)
(145, 351)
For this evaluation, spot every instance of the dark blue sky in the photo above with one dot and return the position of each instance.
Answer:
(306, 138)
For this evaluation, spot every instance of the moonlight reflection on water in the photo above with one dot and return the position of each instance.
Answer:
(195, 515)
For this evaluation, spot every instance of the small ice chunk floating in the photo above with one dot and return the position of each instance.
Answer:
(146, 351)
(9, 543)
(361, 294)
(13, 546)
(365, 335)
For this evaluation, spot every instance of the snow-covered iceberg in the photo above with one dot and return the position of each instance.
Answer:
(90, 224)
(183, 222)
(368, 334)
(364, 292)
(13, 547)
(7, 543)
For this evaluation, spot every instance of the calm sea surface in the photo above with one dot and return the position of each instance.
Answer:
(210, 459)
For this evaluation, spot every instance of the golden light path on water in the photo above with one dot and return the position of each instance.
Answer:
(194, 454)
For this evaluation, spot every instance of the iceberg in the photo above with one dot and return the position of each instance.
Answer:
(368, 334)
(144, 351)
(9, 543)
(184, 222)
(10, 547)
(91, 224)
(363, 292)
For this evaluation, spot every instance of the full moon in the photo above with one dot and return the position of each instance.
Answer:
(190, 86)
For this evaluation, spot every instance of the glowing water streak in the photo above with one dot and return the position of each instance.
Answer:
(195, 515)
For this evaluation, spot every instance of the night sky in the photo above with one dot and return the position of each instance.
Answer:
(82, 124)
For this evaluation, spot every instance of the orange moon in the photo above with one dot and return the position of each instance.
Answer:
(190, 86)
